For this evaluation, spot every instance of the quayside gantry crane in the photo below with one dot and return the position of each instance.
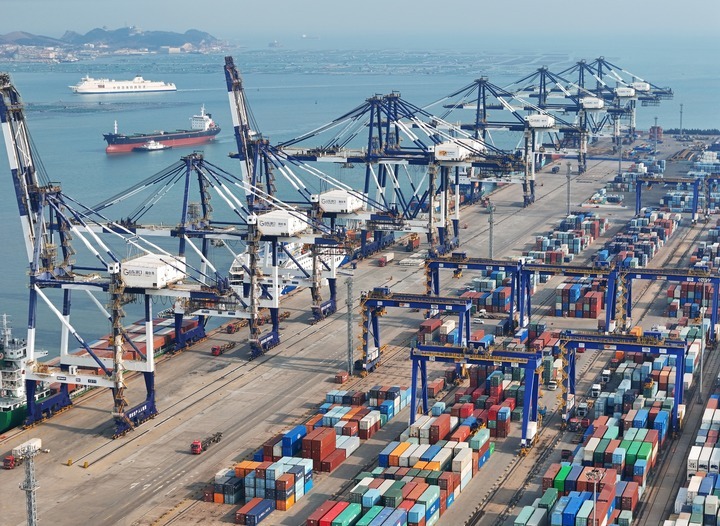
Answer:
(49, 221)
(273, 227)
(497, 109)
(413, 165)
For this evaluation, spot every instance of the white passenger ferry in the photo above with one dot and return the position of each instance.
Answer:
(89, 86)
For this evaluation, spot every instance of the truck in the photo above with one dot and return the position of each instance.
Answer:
(18, 454)
(217, 350)
(413, 243)
(386, 258)
(198, 446)
(264, 318)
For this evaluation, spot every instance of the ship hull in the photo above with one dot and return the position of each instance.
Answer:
(11, 419)
(119, 92)
(126, 143)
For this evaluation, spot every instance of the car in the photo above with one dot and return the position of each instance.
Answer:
(552, 385)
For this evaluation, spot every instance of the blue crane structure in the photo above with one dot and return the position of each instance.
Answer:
(618, 89)
(529, 268)
(50, 220)
(373, 305)
(649, 180)
(497, 109)
(413, 165)
(472, 353)
(459, 261)
(572, 340)
(694, 275)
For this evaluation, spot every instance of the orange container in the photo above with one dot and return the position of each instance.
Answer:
(284, 505)
(218, 498)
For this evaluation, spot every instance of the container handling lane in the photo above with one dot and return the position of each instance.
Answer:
(142, 479)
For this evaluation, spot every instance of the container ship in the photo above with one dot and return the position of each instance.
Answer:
(202, 129)
(13, 362)
(91, 86)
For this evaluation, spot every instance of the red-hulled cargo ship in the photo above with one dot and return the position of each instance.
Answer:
(202, 129)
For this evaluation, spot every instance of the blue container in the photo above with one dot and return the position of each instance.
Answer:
(384, 456)
(430, 453)
(396, 518)
(381, 517)
(261, 510)
(416, 513)
(370, 498)
(571, 510)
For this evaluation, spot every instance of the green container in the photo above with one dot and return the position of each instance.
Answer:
(392, 497)
(424, 474)
(599, 453)
(357, 493)
(625, 518)
(641, 435)
(349, 515)
(645, 451)
(413, 472)
(625, 444)
(549, 498)
(369, 515)
(631, 455)
(433, 478)
(612, 432)
(383, 420)
(524, 516)
(377, 472)
(559, 482)
(492, 447)
(516, 414)
(362, 475)
(630, 434)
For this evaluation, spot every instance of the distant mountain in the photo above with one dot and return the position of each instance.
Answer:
(126, 37)
(22, 38)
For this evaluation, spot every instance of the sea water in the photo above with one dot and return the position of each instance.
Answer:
(290, 92)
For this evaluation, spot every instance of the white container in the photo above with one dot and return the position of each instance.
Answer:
(462, 460)
(451, 151)
(404, 461)
(625, 92)
(704, 462)
(592, 103)
(420, 451)
(152, 271)
(590, 448)
(338, 201)
(447, 327)
(640, 86)
(715, 461)
(34, 444)
(281, 223)
(443, 456)
(350, 445)
(540, 121)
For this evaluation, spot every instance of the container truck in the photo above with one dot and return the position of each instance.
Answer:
(198, 446)
(18, 454)
(217, 350)
(385, 259)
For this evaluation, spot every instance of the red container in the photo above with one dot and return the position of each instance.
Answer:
(331, 515)
(629, 498)
(331, 462)
(440, 428)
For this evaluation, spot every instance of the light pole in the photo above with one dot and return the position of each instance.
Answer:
(569, 167)
(594, 476)
(702, 344)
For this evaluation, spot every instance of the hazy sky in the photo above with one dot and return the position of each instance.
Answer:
(364, 21)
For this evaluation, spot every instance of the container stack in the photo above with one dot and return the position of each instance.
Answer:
(574, 234)
(697, 501)
(415, 483)
(580, 298)
(281, 471)
(639, 241)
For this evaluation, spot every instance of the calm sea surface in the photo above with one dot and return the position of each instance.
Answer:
(290, 92)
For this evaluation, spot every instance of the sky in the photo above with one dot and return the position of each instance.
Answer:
(374, 23)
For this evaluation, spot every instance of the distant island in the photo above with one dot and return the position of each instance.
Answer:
(72, 46)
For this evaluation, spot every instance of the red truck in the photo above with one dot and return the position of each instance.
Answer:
(217, 350)
(198, 446)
